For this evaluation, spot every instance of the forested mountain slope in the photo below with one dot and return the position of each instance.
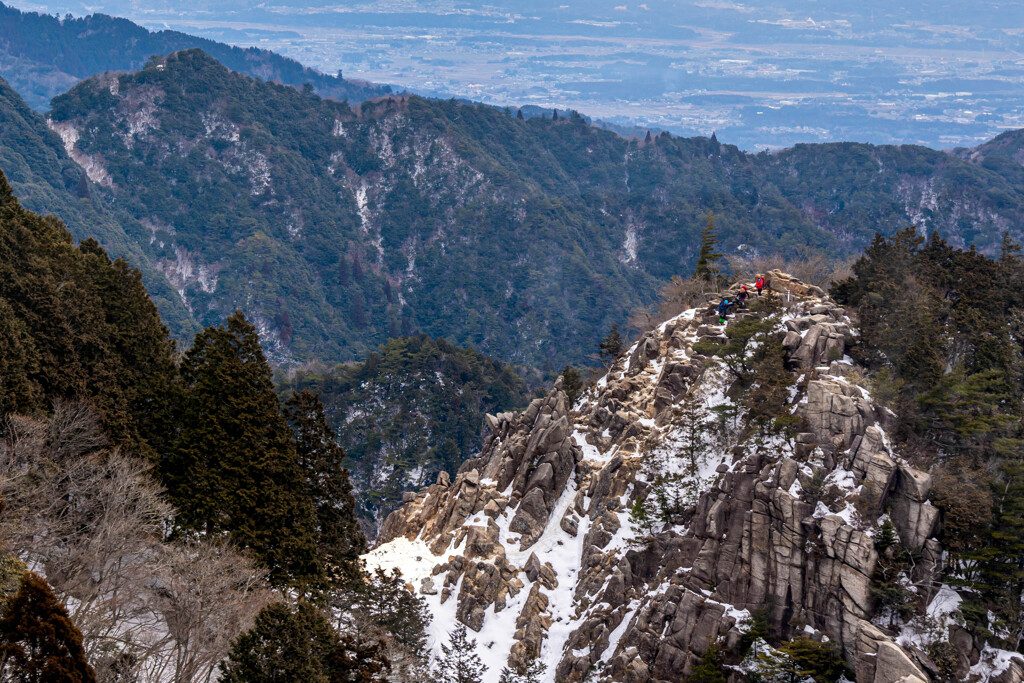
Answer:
(48, 181)
(409, 411)
(42, 56)
(336, 229)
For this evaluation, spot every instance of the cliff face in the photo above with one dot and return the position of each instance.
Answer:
(537, 545)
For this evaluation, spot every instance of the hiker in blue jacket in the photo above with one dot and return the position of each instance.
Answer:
(723, 309)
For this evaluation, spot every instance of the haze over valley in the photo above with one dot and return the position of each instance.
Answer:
(761, 74)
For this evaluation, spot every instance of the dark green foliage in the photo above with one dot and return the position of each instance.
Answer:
(382, 609)
(735, 353)
(644, 514)
(940, 325)
(754, 355)
(925, 307)
(353, 661)
(458, 661)
(767, 399)
(610, 347)
(233, 466)
(297, 643)
(340, 541)
(73, 324)
(708, 268)
(38, 641)
(384, 603)
(709, 670)
(572, 384)
(758, 629)
(285, 644)
(803, 658)
(416, 407)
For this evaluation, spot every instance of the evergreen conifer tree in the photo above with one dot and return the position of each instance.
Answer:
(707, 268)
(399, 612)
(572, 384)
(38, 641)
(891, 597)
(340, 540)
(531, 673)
(352, 661)
(694, 443)
(285, 644)
(611, 346)
(233, 467)
(709, 670)
(458, 662)
(642, 518)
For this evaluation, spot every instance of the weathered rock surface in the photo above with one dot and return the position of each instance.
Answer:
(536, 532)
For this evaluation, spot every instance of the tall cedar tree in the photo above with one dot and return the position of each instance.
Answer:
(340, 540)
(297, 643)
(75, 324)
(459, 662)
(38, 641)
(707, 267)
(390, 606)
(233, 467)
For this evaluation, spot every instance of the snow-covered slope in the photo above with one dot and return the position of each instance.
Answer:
(540, 545)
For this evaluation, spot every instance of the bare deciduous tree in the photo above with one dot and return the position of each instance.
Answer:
(93, 520)
(209, 594)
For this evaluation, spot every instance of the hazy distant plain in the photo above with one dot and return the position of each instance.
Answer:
(761, 74)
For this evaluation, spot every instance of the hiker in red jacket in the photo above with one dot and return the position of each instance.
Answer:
(741, 298)
(759, 284)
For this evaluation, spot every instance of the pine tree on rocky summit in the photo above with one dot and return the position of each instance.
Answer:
(611, 346)
(38, 641)
(233, 467)
(340, 540)
(572, 383)
(459, 663)
(707, 268)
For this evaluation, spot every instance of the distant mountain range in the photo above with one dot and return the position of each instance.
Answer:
(42, 56)
(337, 229)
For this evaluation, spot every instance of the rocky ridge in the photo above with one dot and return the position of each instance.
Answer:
(533, 547)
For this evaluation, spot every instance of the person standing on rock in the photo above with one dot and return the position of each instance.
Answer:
(759, 284)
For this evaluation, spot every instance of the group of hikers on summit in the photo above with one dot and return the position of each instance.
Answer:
(740, 299)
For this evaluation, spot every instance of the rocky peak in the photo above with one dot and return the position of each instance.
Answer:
(533, 545)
